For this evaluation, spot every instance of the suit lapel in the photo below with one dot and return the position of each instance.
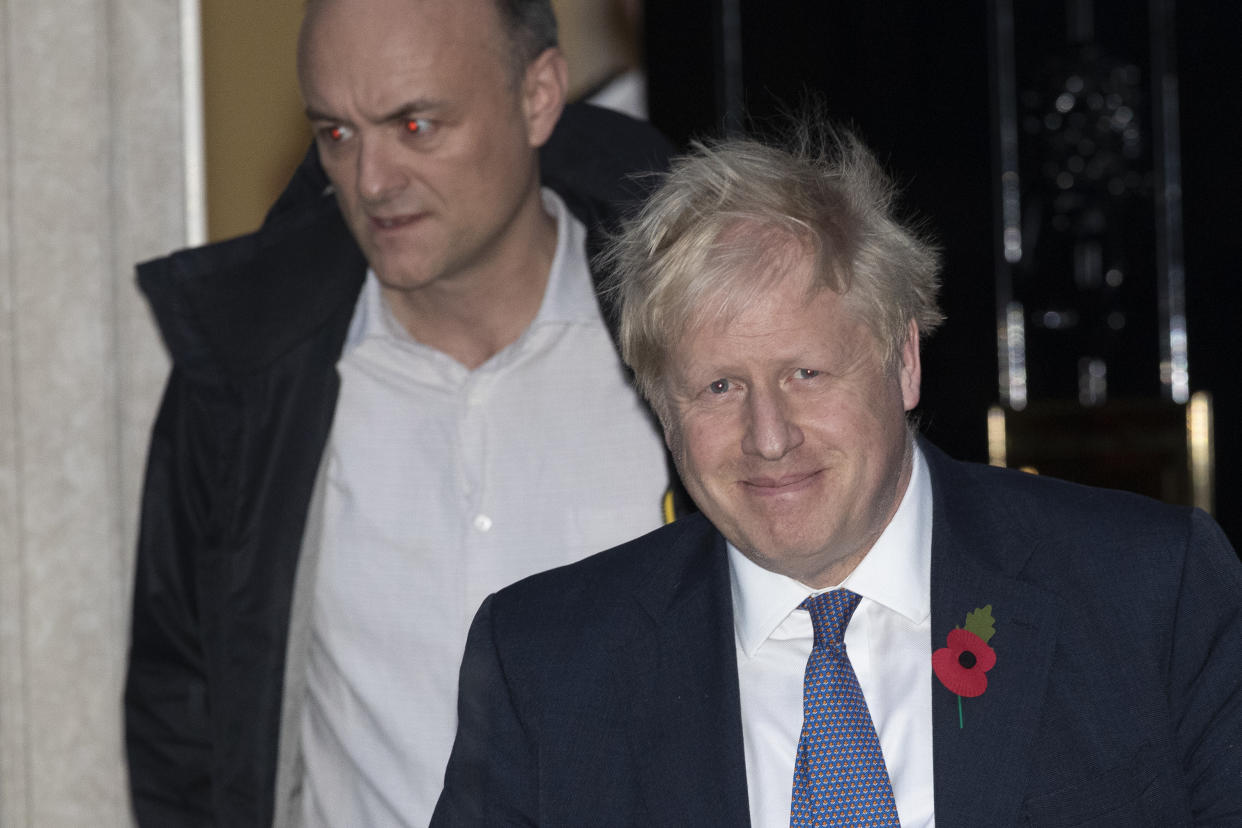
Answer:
(686, 730)
(685, 713)
(982, 754)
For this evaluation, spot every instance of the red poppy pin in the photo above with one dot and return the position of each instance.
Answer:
(963, 664)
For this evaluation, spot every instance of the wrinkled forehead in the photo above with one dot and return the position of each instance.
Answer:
(336, 24)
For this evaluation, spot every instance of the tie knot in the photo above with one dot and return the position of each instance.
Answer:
(830, 615)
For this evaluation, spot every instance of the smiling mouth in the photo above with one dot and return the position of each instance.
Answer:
(786, 483)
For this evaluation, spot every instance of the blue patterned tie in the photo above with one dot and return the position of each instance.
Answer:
(839, 776)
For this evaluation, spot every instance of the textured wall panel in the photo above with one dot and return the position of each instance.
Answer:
(90, 147)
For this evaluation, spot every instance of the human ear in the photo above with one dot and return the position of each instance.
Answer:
(910, 373)
(544, 86)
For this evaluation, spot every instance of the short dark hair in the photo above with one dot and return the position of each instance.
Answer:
(531, 26)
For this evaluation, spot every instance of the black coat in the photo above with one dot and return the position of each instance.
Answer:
(255, 327)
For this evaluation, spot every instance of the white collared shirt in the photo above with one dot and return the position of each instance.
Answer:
(441, 486)
(889, 645)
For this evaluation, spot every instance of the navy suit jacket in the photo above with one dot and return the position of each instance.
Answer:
(605, 692)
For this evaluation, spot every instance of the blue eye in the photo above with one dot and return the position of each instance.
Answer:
(719, 386)
(806, 373)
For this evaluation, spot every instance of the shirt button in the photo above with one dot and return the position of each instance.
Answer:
(482, 522)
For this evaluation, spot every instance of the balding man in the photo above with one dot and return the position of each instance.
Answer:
(397, 396)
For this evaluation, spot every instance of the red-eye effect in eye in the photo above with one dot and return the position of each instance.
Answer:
(336, 133)
(413, 127)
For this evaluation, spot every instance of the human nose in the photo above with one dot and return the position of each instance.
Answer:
(771, 429)
(380, 174)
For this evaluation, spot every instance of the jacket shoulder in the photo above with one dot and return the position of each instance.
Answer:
(650, 568)
(629, 564)
(1058, 532)
(1050, 506)
(233, 306)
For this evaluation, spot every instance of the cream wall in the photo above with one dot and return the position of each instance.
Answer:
(254, 126)
(92, 179)
(599, 39)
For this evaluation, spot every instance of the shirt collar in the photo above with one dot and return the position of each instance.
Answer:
(896, 572)
(570, 295)
(568, 298)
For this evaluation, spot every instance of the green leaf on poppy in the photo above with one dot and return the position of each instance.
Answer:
(980, 623)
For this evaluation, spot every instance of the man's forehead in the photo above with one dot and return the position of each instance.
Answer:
(393, 6)
(392, 51)
(323, 17)
(781, 318)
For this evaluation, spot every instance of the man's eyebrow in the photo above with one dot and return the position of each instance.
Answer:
(414, 107)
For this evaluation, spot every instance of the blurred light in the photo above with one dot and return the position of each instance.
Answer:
(1013, 245)
(1179, 373)
(1014, 380)
(1092, 381)
(996, 436)
(1199, 440)
(1011, 207)
(1056, 320)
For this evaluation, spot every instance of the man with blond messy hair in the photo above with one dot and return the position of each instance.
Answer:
(856, 630)
(397, 396)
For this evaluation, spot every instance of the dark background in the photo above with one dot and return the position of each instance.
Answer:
(915, 80)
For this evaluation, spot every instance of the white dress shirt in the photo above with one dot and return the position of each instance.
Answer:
(889, 645)
(441, 486)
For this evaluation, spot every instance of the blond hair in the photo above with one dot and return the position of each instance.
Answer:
(719, 229)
